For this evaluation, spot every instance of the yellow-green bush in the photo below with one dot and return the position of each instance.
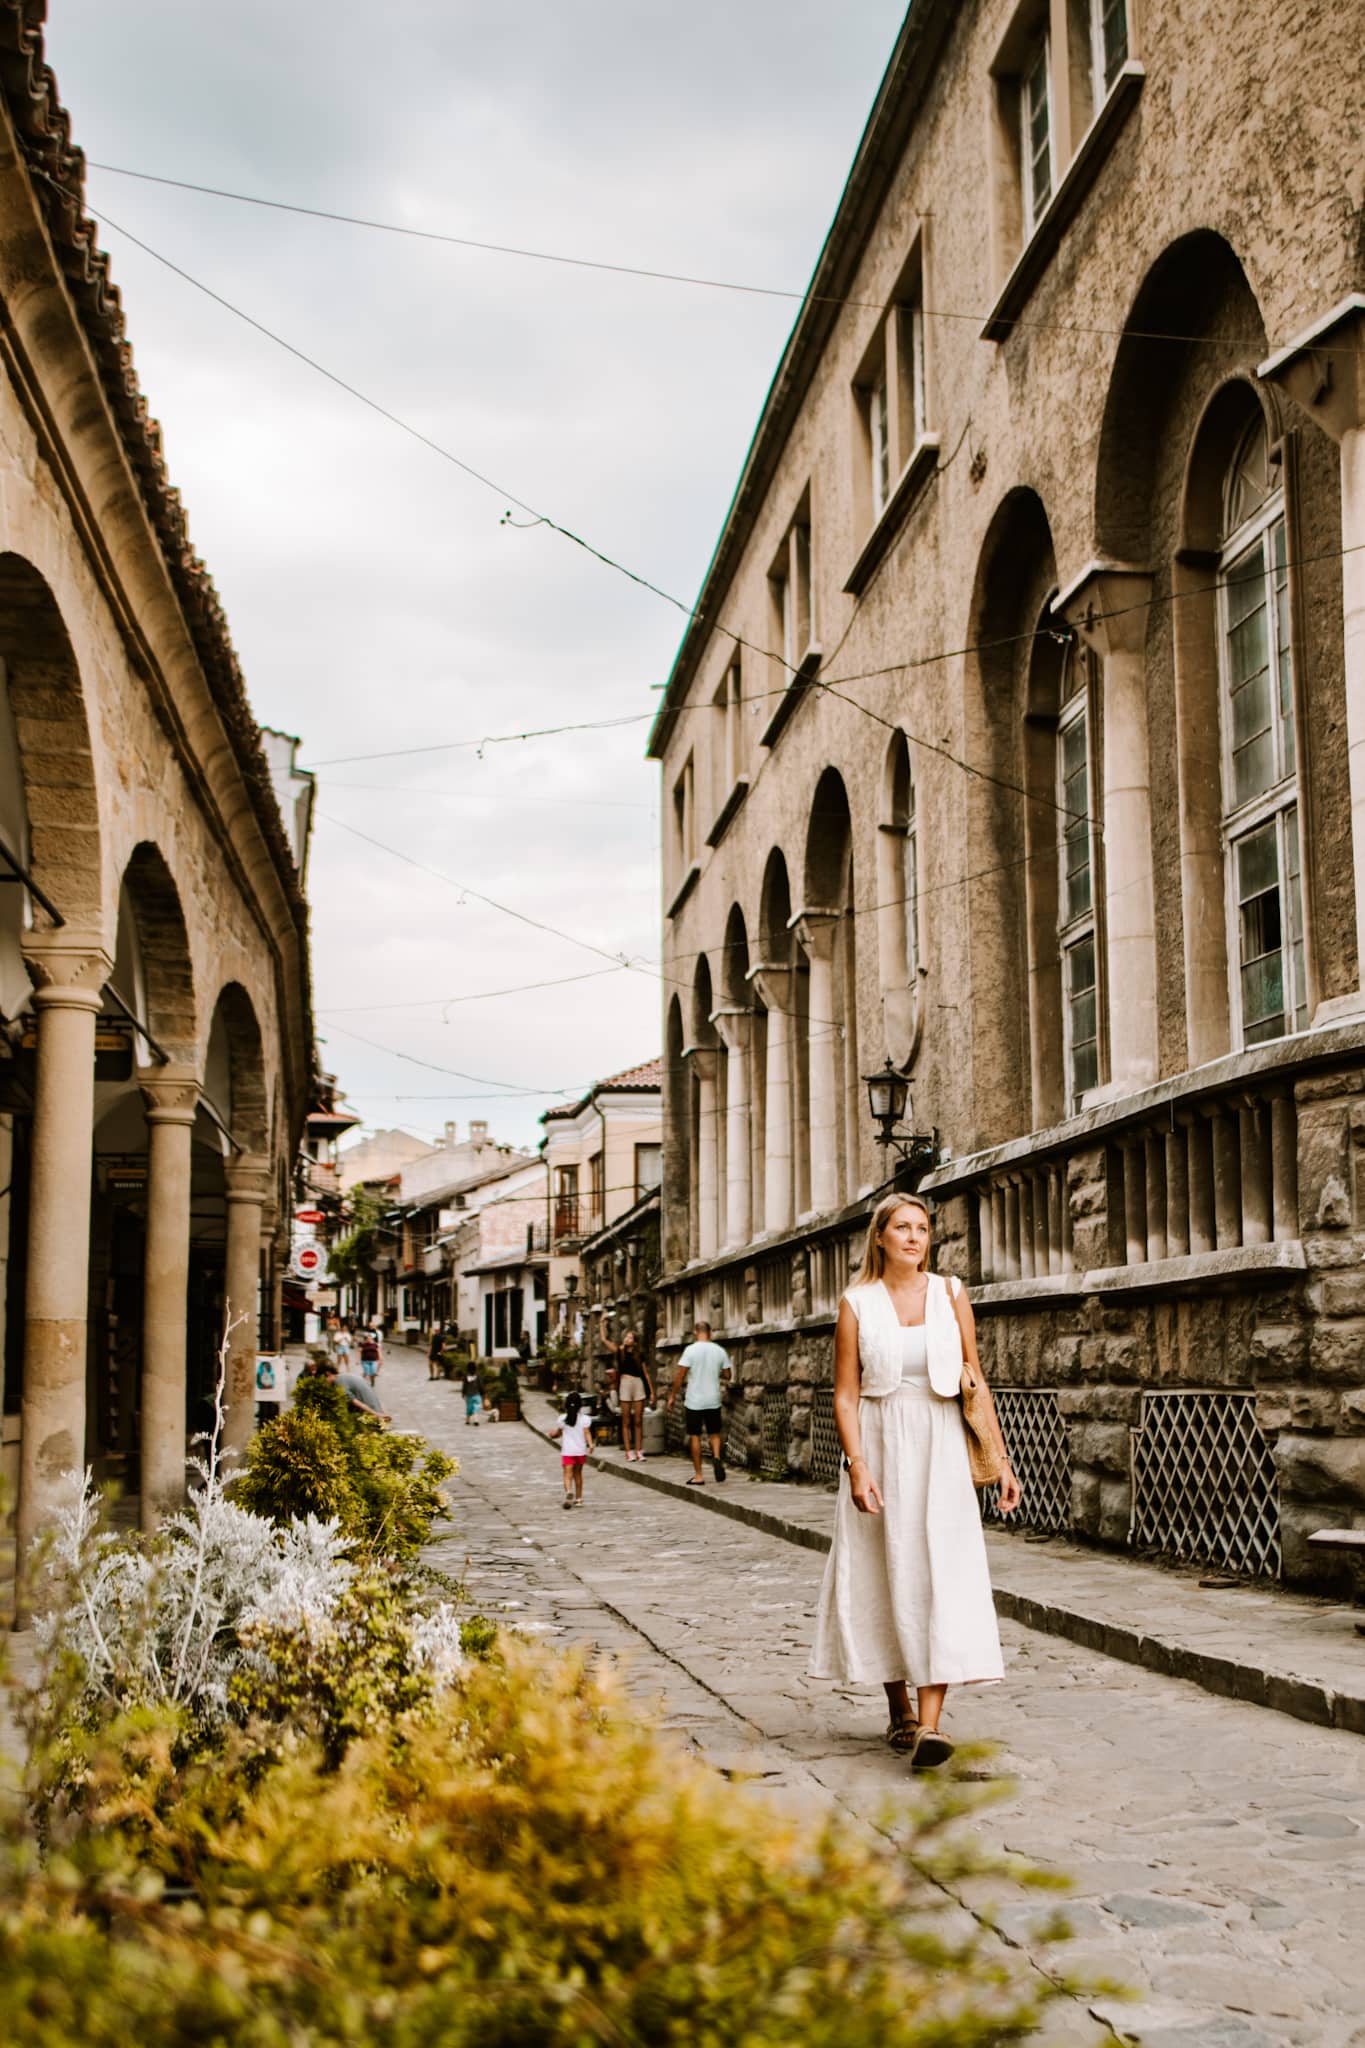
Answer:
(530, 1866)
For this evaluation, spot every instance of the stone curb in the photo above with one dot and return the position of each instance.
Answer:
(1304, 1699)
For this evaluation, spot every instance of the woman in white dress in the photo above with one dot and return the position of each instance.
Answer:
(906, 1597)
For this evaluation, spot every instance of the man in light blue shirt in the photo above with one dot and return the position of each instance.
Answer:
(705, 1367)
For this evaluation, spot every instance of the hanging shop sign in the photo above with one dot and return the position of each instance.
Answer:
(310, 1216)
(310, 1261)
(113, 1049)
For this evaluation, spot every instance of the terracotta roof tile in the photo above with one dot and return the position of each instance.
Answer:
(644, 1077)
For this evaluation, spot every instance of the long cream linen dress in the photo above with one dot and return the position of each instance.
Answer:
(907, 1593)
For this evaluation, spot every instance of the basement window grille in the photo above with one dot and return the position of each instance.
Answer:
(824, 1441)
(1041, 1456)
(1204, 1483)
(776, 1425)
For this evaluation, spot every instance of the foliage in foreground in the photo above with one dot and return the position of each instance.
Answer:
(528, 1866)
(322, 1459)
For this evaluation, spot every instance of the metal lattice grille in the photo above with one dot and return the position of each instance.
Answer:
(1041, 1456)
(1204, 1483)
(824, 1441)
(775, 1428)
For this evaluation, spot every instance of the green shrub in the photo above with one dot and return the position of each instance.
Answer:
(323, 1458)
(529, 1866)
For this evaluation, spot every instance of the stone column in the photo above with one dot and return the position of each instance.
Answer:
(1203, 1222)
(1108, 607)
(1254, 1137)
(1227, 1177)
(1177, 1193)
(1323, 371)
(248, 1189)
(69, 970)
(1156, 1197)
(774, 989)
(704, 1067)
(1135, 1200)
(733, 1027)
(172, 1096)
(1284, 1160)
(985, 1234)
(815, 929)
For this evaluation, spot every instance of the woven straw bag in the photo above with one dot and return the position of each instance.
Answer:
(985, 1447)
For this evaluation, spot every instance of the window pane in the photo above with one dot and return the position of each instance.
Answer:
(912, 338)
(1283, 657)
(1298, 977)
(1261, 934)
(1037, 134)
(1082, 1016)
(1249, 479)
(1113, 38)
(881, 444)
(1074, 798)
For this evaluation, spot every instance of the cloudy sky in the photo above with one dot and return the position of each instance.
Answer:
(380, 607)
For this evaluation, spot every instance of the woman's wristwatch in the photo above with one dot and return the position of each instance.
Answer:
(849, 1463)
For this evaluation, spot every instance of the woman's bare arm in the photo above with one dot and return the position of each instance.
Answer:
(847, 1394)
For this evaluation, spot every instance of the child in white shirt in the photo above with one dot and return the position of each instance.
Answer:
(574, 1431)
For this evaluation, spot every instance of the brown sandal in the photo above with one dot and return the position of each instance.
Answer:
(902, 1732)
(931, 1747)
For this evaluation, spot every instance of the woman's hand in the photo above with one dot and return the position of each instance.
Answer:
(867, 1495)
(1011, 1493)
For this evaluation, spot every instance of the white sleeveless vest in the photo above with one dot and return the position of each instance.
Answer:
(879, 1346)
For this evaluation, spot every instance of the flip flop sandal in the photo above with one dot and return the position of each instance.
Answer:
(901, 1734)
(696, 1482)
(932, 1747)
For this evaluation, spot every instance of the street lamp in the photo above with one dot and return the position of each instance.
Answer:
(888, 1095)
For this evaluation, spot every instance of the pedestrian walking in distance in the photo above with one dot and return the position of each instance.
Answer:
(371, 1353)
(634, 1388)
(435, 1365)
(705, 1367)
(473, 1395)
(575, 1441)
(906, 1597)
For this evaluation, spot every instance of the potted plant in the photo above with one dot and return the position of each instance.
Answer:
(509, 1393)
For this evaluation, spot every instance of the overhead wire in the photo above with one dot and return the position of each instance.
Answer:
(721, 284)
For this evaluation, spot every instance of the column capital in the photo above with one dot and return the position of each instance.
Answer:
(170, 1093)
(815, 930)
(1323, 369)
(732, 1024)
(771, 982)
(248, 1178)
(703, 1060)
(1107, 605)
(68, 968)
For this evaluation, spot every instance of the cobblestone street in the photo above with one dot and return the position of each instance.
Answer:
(1217, 1849)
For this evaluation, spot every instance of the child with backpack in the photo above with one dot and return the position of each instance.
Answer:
(574, 1431)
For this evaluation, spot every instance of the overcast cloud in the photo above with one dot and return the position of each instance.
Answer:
(375, 600)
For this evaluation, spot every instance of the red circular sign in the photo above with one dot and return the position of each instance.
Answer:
(308, 1258)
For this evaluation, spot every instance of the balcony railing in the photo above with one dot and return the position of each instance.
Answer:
(566, 1217)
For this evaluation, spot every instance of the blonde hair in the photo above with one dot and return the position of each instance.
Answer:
(874, 1254)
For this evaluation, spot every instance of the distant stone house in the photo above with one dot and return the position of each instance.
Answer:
(1018, 738)
(604, 1156)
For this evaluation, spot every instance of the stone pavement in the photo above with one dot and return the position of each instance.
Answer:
(1217, 1850)
(1293, 1652)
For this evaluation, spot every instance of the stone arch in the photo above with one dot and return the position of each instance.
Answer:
(775, 912)
(1016, 574)
(235, 1056)
(1196, 287)
(900, 935)
(734, 969)
(703, 1003)
(47, 703)
(828, 933)
(678, 1174)
(168, 1006)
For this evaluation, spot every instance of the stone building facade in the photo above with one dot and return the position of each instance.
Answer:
(155, 1025)
(1019, 737)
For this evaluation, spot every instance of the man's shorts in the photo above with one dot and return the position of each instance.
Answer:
(630, 1387)
(703, 1421)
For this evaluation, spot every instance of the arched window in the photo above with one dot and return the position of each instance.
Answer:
(1076, 930)
(1268, 980)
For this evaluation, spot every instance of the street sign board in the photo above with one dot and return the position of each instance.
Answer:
(310, 1260)
(309, 1216)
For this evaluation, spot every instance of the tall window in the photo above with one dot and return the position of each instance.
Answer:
(793, 603)
(1260, 775)
(879, 435)
(1035, 133)
(910, 878)
(684, 817)
(891, 391)
(1109, 31)
(1076, 880)
(649, 1162)
(597, 1188)
(728, 704)
(566, 1202)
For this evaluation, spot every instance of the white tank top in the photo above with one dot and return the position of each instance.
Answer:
(914, 1356)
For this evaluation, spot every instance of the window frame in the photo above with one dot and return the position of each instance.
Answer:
(1241, 819)
(1079, 707)
(644, 1187)
(1036, 64)
(1102, 79)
